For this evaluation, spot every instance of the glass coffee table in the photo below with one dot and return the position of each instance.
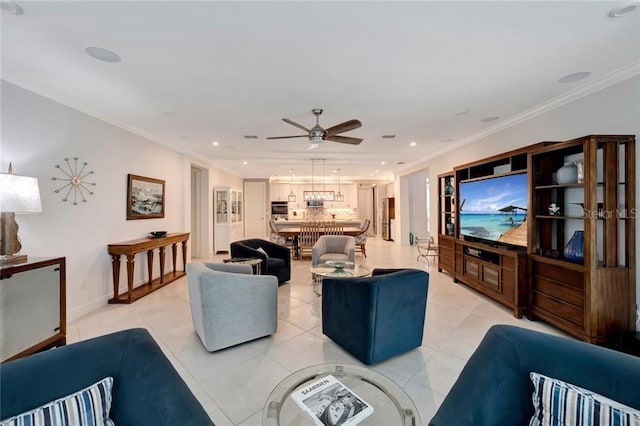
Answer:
(337, 269)
(391, 404)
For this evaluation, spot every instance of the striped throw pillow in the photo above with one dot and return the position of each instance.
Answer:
(89, 406)
(558, 403)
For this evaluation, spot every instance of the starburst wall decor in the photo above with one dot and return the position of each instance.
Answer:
(75, 186)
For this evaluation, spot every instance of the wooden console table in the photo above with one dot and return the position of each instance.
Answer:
(133, 247)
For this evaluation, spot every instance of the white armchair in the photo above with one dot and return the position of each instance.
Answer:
(229, 305)
(333, 247)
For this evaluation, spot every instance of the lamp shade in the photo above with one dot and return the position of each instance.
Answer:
(19, 194)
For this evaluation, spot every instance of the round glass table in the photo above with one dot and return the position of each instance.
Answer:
(391, 404)
(342, 270)
(254, 262)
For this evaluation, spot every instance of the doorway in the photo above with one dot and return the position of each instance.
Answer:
(199, 211)
(374, 217)
(255, 223)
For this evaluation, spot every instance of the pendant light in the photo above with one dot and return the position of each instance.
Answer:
(324, 180)
(313, 190)
(292, 196)
(339, 196)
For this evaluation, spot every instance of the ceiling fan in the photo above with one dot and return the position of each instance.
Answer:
(317, 134)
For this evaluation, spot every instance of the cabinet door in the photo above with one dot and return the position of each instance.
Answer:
(221, 206)
(29, 309)
(350, 192)
(240, 206)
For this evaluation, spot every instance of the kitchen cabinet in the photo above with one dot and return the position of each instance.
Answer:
(228, 208)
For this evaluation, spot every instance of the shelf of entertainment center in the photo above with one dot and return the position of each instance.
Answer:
(560, 186)
(559, 217)
(557, 261)
(497, 272)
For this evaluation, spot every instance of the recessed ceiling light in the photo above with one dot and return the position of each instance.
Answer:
(244, 163)
(490, 119)
(102, 54)
(383, 162)
(388, 136)
(215, 143)
(576, 76)
(413, 144)
(462, 112)
(11, 7)
(250, 137)
(623, 9)
(377, 171)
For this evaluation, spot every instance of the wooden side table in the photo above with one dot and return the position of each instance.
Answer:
(133, 247)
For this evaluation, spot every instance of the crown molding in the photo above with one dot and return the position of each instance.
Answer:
(40, 88)
(597, 84)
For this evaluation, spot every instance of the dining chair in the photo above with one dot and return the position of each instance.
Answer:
(361, 239)
(426, 248)
(309, 234)
(332, 228)
(275, 236)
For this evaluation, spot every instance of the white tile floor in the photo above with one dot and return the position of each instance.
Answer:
(233, 384)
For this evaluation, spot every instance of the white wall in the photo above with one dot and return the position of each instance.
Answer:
(38, 133)
(413, 206)
(613, 110)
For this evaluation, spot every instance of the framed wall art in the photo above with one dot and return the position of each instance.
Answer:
(145, 198)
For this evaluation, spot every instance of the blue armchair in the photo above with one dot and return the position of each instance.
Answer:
(147, 390)
(494, 388)
(377, 317)
(276, 262)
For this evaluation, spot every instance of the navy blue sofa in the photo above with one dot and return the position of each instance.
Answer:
(147, 390)
(276, 262)
(494, 387)
(377, 317)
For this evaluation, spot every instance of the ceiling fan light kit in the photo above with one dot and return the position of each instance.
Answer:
(317, 135)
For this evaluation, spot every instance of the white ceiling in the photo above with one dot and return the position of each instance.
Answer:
(197, 72)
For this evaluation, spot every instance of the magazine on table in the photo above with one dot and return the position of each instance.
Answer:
(330, 403)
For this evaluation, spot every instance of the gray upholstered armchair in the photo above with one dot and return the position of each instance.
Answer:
(333, 247)
(230, 305)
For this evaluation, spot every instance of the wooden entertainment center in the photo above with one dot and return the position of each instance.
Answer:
(591, 296)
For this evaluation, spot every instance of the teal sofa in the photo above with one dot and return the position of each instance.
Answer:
(494, 388)
(147, 390)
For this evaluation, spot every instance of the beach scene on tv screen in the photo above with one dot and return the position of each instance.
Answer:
(495, 209)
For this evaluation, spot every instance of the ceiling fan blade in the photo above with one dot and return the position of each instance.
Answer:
(293, 123)
(288, 137)
(344, 139)
(343, 127)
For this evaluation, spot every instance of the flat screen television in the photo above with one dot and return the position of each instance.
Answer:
(494, 209)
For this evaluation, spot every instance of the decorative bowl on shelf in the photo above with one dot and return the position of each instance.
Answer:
(158, 234)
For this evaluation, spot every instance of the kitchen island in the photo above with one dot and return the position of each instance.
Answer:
(295, 223)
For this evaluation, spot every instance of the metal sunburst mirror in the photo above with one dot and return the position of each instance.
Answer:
(75, 181)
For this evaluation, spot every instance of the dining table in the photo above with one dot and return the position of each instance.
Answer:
(293, 232)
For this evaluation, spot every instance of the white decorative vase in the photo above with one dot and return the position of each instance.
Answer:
(567, 174)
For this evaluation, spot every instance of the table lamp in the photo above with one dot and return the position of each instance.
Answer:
(18, 194)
